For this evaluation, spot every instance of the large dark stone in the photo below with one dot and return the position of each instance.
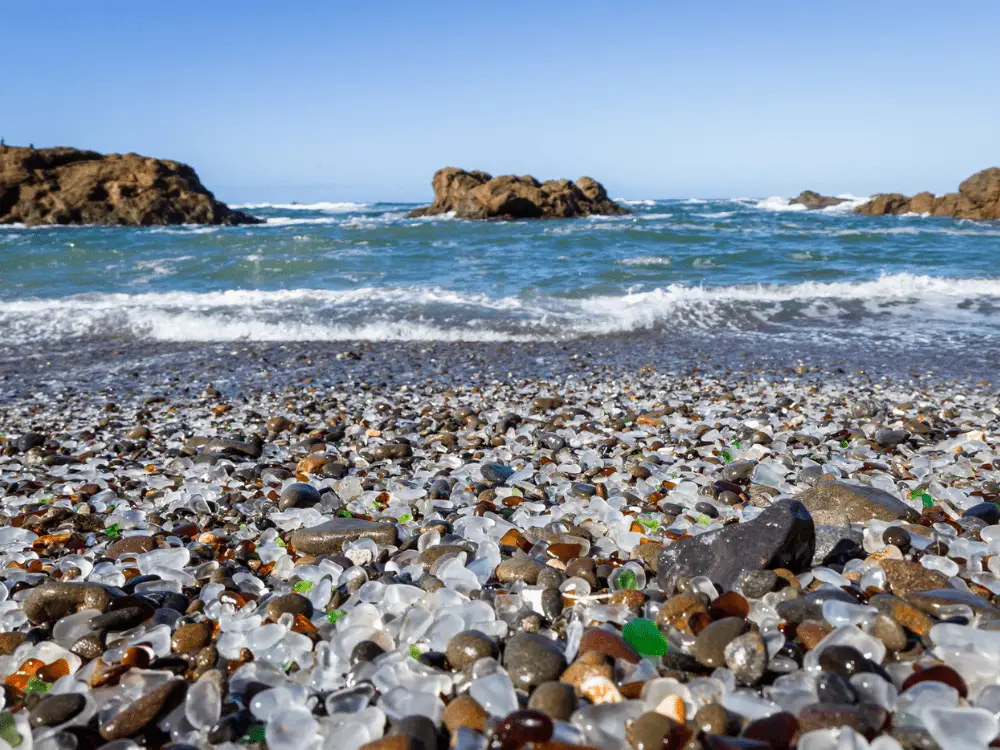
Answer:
(841, 504)
(783, 536)
(328, 538)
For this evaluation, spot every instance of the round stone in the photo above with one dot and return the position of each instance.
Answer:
(557, 700)
(298, 495)
(710, 645)
(531, 659)
(466, 648)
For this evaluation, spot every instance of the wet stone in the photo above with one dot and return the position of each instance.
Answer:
(649, 731)
(710, 645)
(905, 577)
(531, 659)
(53, 710)
(294, 604)
(136, 716)
(833, 503)
(746, 657)
(329, 537)
(519, 569)
(465, 711)
(190, 638)
(557, 700)
(608, 643)
(755, 583)
(782, 536)
(131, 545)
(468, 647)
(298, 495)
(846, 661)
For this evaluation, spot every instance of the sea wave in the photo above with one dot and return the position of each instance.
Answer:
(324, 206)
(777, 203)
(425, 314)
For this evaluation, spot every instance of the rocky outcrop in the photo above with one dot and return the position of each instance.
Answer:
(977, 198)
(813, 200)
(478, 195)
(69, 186)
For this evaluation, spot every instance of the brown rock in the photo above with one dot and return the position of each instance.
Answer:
(190, 638)
(649, 731)
(294, 604)
(813, 200)
(68, 186)
(978, 198)
(840, 504)
(556, 700)
(10, 641)
(465, 711)
(131, 545)
(52, 601)
(136, 716)
(608, 643)
(478, 195)
(710, 645)
(905, 577)
(579, 671)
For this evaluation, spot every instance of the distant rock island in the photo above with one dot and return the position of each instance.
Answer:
(978, 198)
(69, 186)
(478, 195)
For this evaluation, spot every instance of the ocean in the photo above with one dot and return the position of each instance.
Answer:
(748, 273)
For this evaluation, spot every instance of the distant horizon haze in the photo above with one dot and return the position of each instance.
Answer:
(363, 103)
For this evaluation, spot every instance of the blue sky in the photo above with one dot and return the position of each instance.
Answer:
(363, 101)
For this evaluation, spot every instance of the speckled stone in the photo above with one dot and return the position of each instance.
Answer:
(711, 718)
(467, 647)
(519, 569)
(531, 659)
(710, 645)
(188, 639)
(906, 577)
(934, 600)
(746, 658)
(903, 613)
(329, 538)
(841, 504)
(556, 700)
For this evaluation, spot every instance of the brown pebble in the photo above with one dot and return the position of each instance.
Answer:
(136, 716)
(890, 632)
(9, 642)
(780, 730)
(907, 577)
(710, 645)
(608, 643)
(556, 700)
(812, 632)
(578, 671)
(465, 711)
(729, 604)
(131, 545)
(191, 638)
(649, 731)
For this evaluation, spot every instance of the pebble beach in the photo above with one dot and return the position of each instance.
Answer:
(409, 547)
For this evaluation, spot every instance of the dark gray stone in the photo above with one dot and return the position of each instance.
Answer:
(782, 536)
(837, 545)
(298, 495)
(532, 659)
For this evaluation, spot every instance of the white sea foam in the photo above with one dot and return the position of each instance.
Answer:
(717, 215)
(324, 206)
(694, 201)
(424, 314)
(777, 203)
(638, 202)
(645, 260)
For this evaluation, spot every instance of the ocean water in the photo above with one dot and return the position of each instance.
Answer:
(746, 267)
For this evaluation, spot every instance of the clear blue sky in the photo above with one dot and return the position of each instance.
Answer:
(363, 101)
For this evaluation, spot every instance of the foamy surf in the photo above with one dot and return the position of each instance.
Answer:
(436, 314)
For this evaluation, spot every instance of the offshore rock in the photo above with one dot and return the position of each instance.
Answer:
(813, 200)
(783, 536)
(978, 198)
(478, 195)
(69, 186)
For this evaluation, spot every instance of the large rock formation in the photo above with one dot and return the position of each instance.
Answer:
(68, 186)
(977, 198)
(478, 195)
(813, 200)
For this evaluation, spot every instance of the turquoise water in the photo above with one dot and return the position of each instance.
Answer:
(325, 272)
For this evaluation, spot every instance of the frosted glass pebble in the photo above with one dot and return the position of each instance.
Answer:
(495, 693)
(293, 727)
(203, 704)
(961, 728)
(940, 564)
